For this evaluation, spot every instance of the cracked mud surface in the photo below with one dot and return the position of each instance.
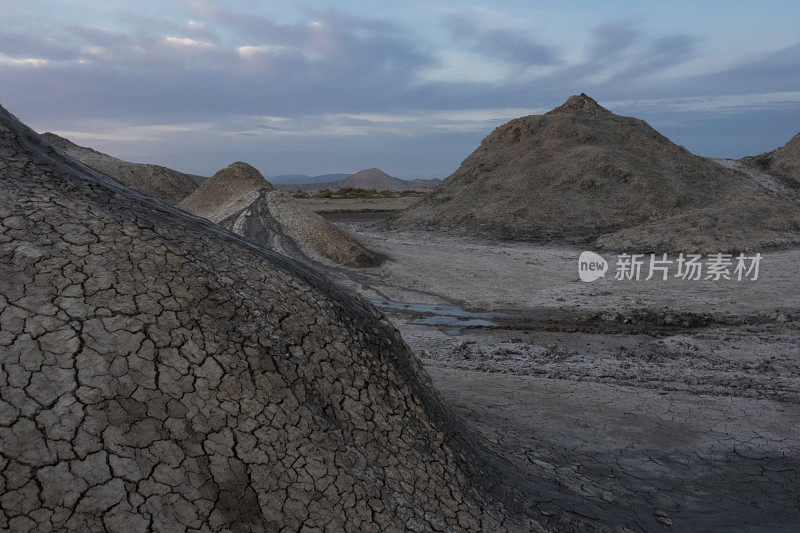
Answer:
(157, 373)
(677, 402)
(695, 462)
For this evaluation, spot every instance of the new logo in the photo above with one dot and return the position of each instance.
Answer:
(591, 266)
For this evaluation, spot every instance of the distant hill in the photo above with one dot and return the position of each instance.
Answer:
(371, 178)
(162, 183)
(296, 179)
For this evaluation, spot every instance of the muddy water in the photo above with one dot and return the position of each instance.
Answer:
(454, 319)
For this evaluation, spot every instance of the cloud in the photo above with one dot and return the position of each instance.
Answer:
(18, 44)
(326, 74)
(610, 42)
(185, 41)
(662, 54)
(511, 46)
(778, 70)
(333, 60)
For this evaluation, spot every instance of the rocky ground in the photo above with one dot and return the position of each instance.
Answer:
(676, 399)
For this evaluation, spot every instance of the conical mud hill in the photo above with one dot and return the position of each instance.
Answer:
(159, 373)
(162, 183)
(226, 192)
(580, 173)
(373, 178)
(277, 221)
(784, 161)
(238, 198)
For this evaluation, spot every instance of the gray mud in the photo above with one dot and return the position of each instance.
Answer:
(676, 402)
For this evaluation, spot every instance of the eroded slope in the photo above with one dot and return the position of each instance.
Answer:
(239, 199)
(162, 183)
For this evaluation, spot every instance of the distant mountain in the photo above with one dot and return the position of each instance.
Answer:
(159, 182)
(296, 179)
(371, 178)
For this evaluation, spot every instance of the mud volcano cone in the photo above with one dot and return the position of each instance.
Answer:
(156, 375)
(580, 173)
(238, 198)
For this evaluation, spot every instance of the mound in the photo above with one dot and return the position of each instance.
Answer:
(238, 198)
(784, 160)
(276, 221)
(581, 173)
(162, 183)
(158, 373)
(227, 192)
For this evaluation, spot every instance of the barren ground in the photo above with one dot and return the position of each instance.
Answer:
(677, 400)
(327, 205)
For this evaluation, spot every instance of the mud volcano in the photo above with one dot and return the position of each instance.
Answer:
(159, 373)
(162, 183)
(580, 173)
(238, 198)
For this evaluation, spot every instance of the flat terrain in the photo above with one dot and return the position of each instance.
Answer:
(696, 462)
(327, 205)
(675, 400)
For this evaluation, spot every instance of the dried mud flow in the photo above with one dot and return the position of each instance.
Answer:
(581, 174)
(783, 161)
(239, 199)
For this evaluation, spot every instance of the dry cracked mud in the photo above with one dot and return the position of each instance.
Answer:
(159, 373)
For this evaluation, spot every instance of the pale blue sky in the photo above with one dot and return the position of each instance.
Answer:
(410, 87)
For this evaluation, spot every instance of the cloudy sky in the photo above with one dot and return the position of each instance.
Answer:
(410, 87)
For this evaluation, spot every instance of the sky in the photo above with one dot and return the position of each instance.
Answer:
(409, 87)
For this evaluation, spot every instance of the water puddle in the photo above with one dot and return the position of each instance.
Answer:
(450, 316)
